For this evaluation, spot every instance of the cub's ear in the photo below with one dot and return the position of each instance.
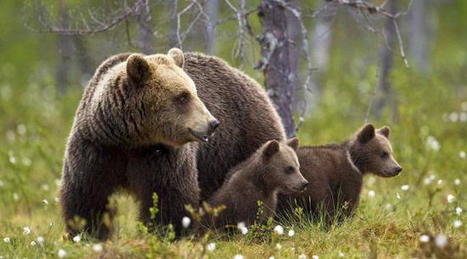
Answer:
(177, 55)
(384, 131)
(293, 143)
(366, 133)
(137, 68)
(271, 148)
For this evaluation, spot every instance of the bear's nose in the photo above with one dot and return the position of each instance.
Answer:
(304, 185)
(213, 126)
(398, 169)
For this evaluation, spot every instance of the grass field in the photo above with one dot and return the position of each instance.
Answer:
(416, 214)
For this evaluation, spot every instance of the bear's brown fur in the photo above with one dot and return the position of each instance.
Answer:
(134, 130)
(336, 171)
(272, 169)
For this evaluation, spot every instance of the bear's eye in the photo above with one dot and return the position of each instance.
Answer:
(289, 170)
(384, 155)
(183, 98)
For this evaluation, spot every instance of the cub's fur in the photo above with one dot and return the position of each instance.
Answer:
(336, 171)
(272, 169)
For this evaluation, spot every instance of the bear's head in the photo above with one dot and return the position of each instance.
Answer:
(173, 114)
(282, 169)
(371, 152)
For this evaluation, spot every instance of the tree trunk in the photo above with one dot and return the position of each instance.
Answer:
(173, 11)
(384, 86)
(212, 9)
(64, 43)
(275, 61)
(420, 34)
(145, 28)
(295, 53)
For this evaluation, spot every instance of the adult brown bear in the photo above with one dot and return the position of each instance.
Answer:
(135, 129)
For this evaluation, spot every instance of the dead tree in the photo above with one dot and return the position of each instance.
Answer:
(275, 61)
(64, 45)
(145, 27)
(420, 32)
(212, 10)
(173, 10)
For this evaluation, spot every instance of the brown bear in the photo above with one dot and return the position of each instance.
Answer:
(336, 171)
(272, 169)
(136, 127)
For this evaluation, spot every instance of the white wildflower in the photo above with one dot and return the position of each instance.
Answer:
(33, 243)
(186, 221)
(26, 230)
(27, 161)
(279, 230)
(433, 143)
(211, 246)
(302, 256)
(463, 117)
(440, 181)
(46, 202)
(243, 229)
(441, 240)
(271, 257)
(2, 184)
(15, 196)
(453, 116)
(12, 159)
(315, 257)
(77, 238)
(278, 246)
(56, 199)
(388, 206)
(40, 240)
(97, 248)
(457, 223)
(405, 187)
(340, 254)
(45, 187)
(371, 180)
(462, 154)
(457, 181)
(291, 233)
(424, 238)
(6, 240)
(61, 253)
(238, 256)
(371, 193)
(450, 198)
(459, 211)
(398, 196)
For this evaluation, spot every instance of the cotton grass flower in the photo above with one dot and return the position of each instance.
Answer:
(15, 196)
(243, 229)
(457, 181)
(302, 256)
(405, 187)
(77, 238)
(6, 240)
(211, 247)
(271, 257)
(433, 143)
(440, 181)
(441, 240)
(2, 184)
(429, 179)
(459, 211)
(33, 243)
(371, 193)
(340, 254)
(450, 198)
(26, 230)
(46, 202)
(186, 221)
(21, 129)
(388, 206)
(61, 253)
(424, 238)
(97, 248)
(279, 230)
(238, 256)
(315, 257)
(278, 246)
(462, 154)
(457, 223)
(398, 196)
(40, 240)
(291, 233)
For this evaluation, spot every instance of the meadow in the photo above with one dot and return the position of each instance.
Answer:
(419, 214)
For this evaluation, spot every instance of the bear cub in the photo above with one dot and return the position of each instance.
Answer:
(272, 169)
(336, 171)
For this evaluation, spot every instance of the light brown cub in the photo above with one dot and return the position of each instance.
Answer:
(272, 169)
(336, 171)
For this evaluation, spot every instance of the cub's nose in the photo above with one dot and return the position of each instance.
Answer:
(398, 169)
(304, 185)
(213, 126)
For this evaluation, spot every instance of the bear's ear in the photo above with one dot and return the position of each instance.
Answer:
(366, 133)
(177, 55)
(271, 148)
(137, 68)
(384, 131)
(293, 143)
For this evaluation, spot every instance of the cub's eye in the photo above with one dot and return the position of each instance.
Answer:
(183, 98)
(289, 170)
(384, 155)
